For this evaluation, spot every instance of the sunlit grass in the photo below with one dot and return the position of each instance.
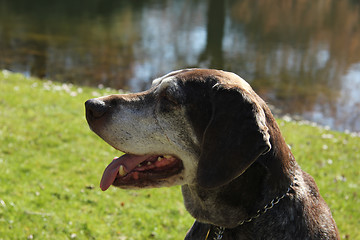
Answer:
(51, 164)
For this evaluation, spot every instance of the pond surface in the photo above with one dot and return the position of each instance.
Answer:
(301, 56)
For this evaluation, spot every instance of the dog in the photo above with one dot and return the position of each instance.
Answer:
(208, 131)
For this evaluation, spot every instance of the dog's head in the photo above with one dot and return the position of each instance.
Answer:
(193, 126)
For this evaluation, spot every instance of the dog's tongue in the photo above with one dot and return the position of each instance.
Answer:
(129, 161)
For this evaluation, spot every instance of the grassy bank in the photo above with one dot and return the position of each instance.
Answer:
(51, 164)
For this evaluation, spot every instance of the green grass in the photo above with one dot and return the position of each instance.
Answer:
(51, 165)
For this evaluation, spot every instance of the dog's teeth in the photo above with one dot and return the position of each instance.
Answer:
(122, 171)
(148, 163)
(167, 156)
(159, 159)
(139, 165)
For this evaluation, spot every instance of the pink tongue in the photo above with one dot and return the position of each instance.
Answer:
(129, 162)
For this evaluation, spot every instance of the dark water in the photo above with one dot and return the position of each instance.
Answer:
(301, 56)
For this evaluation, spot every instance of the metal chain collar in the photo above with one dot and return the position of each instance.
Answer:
(220, 230)
(219, 233)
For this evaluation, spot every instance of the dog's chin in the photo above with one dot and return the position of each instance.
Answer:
(132, 171)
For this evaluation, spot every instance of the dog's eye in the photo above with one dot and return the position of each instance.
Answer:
(168, 96)
(170, 99)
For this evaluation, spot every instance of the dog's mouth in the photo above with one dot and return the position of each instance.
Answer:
(140, 170)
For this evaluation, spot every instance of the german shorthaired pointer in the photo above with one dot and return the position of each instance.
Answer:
(208, 131)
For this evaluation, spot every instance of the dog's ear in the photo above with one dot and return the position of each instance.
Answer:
(234, 138)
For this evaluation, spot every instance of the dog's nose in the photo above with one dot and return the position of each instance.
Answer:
(95, 108)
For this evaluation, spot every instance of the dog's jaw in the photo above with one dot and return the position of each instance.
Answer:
(141, 171)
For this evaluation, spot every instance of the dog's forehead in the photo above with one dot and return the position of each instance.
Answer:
(163, 83)
(225, 79)
(167, 79)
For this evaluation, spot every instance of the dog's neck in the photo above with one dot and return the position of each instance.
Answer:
(235, 203)
(267, 178)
